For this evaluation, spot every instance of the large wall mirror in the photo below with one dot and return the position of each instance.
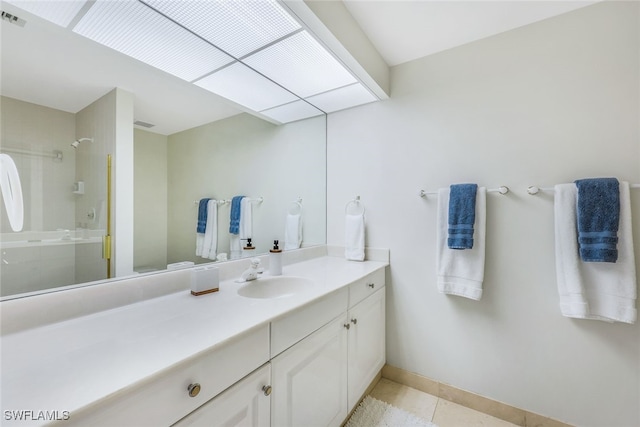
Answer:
(59, 88)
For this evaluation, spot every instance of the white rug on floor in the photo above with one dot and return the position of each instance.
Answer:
(376, 413)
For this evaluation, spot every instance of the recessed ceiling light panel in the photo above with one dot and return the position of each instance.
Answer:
(238, 27)
(302, 65)
(291, 112)
(134, 29)
(341, 98)
(244, 86)
(58, 12)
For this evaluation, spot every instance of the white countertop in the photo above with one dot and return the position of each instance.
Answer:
(68, 365)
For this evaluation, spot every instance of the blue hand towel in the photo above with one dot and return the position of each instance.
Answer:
(202, 216)
(462, 215)
(234, 219)
(598, 216)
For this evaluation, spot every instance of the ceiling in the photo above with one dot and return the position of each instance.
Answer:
(403, 31)
(48, 65)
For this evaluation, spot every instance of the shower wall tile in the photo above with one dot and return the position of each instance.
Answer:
(46, 185)
(45, 182)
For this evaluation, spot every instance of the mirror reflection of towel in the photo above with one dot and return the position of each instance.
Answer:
(201, 225)
(210, 244)
(245, 229)
(293, 232)
(234, 214)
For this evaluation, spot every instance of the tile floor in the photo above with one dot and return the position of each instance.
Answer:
(439, 411)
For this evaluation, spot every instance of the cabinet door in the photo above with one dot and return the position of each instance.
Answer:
(244, 404)
(366, 344)
(310, 380)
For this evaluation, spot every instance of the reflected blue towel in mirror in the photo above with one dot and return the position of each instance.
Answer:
(202, 216)
(598, 214)
(462, 215)
(234, 216)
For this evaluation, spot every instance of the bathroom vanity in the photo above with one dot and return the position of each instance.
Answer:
(302, 353)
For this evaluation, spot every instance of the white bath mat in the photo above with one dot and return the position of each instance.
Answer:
(376, 413)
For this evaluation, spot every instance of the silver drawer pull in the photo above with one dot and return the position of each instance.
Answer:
(371, 285)
(194, 389)
(347, 326)
(266, 389)
(354, 321)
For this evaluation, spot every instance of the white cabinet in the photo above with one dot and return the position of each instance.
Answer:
(317, 381)
(310, 379)
(366, 344)
(292, 327)
(246, 404)
(166, 398)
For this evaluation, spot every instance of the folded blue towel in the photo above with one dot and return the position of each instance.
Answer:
(202, 216)
(598, 209)
(462, 215)
(234, 218)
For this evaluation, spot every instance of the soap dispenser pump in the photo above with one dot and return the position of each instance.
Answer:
(275, 259)
(249, 245)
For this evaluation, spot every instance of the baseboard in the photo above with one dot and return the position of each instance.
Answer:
(372, 385)
(474, 401)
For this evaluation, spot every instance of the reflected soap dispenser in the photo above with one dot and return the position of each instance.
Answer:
(275, 260)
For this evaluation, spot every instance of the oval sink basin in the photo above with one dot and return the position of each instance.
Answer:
(274, 287)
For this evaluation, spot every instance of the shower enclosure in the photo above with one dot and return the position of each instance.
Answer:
(64, 197)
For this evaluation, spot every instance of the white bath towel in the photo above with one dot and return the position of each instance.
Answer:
(594, 290)
(199, 243)
(293, 231)
(210, 240)
(461, 272)
(354, 237)
(199, 237)
(245, 230)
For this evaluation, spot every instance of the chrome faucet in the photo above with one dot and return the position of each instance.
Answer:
(252, 272)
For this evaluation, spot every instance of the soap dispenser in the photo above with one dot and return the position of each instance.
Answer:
(249, 245)
(275, 260)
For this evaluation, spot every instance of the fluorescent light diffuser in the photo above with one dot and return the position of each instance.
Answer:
(291, 112)
(58, 12)
(344, 97)
(244, 86)
(238, 27)
(134, 29)
(302, 65)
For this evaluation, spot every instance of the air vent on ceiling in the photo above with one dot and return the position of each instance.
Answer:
(143, 124)
(13, 19)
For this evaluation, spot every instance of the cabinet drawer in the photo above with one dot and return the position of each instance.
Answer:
(291, 328)
(165, 399)
(362, 288)
(245, 404)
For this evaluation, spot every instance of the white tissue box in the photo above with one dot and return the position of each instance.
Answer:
(205, 280)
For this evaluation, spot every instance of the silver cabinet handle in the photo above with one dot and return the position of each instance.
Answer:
(194, 389)
(347, 326)
(371, 285)
(354, 321)
(266, 390)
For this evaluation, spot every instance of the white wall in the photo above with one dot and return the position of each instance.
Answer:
(548, 103)
(244, 155)
(109, 121)
(150, 200)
